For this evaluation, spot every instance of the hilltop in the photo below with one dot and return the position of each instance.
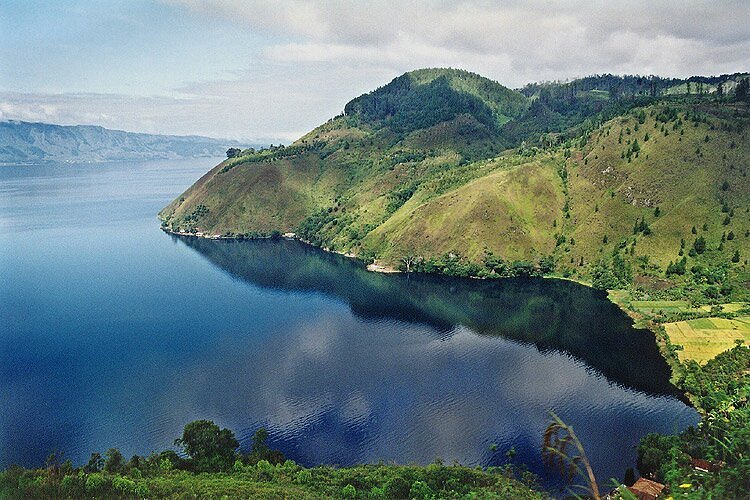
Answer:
(24, 142)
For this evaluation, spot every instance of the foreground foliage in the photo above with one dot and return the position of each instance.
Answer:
(155, 479)
(213, 468)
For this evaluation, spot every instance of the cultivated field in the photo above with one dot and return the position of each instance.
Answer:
(704, 338)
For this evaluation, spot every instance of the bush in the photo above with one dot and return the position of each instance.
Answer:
(303, 477)
(348, 491)
(96, 483)
(376, 492)
(420, 490)
(397, 487)
(73, 486)
(264, 470)
(126, 486)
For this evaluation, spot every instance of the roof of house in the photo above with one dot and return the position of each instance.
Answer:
(645, 489)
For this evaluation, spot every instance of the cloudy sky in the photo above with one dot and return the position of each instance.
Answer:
(271, 70)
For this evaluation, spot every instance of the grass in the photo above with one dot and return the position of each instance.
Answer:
(704, 338)
(661, 305)
(731, 307)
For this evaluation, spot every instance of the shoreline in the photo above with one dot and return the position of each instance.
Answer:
(373, 267)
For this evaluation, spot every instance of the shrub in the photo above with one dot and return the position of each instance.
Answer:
(376, 492)
(128, 487)
(95, 483)
(397, 487)
(73, 486)
(348, 491)
(303, 477)
(264, 470)
(420, 490)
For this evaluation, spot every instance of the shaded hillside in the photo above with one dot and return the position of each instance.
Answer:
(416, 173)
(22, 142)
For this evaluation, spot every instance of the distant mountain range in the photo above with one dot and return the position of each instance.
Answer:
(24, 142)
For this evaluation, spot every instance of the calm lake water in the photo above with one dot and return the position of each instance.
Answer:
(115, 334)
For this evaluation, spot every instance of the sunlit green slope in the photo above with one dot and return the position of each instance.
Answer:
(421, 168)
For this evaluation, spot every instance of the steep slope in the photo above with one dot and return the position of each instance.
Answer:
(416, 172)
(361, 165)
(22, 142)
(690, 162)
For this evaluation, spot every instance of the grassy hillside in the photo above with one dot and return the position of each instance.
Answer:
(647, 191)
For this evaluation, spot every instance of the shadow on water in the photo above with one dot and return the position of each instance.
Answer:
(550, 314)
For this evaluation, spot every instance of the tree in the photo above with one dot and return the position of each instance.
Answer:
(742, 90)
(408, 261)
(259, 442)
(210, 449)
(233, 152)
(114, 461)
(699, 245)
(547, 265)
(95, 464)
(736, 256)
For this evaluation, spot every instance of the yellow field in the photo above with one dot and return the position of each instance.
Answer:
(704, 338)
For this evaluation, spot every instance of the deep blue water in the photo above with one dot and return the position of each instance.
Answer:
(115, 334)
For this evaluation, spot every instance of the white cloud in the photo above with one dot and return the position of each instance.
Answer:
(536, 40)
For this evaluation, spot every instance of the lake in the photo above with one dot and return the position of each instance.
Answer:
(115, 334)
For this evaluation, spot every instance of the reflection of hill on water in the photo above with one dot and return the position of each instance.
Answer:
(551, 314)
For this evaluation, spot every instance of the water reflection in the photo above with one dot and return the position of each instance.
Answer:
(550, 314)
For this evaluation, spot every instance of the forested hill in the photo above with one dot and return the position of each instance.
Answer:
(23, 142)
(610, 180)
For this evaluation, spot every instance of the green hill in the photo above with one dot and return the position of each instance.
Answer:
(601, 179)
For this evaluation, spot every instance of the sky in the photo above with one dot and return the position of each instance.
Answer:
(271, 70)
